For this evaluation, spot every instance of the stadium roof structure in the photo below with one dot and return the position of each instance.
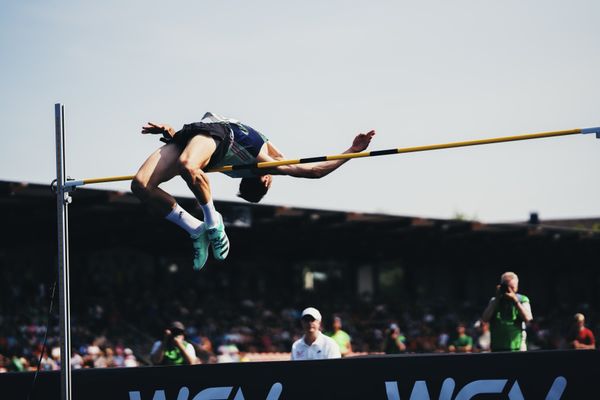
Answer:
(28, 207)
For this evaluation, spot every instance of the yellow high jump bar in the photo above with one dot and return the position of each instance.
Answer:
(348, 156)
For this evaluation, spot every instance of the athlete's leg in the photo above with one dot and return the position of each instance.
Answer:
(160, 167)
(193, 159)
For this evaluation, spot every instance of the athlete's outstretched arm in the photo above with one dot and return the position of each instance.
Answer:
(318, 169)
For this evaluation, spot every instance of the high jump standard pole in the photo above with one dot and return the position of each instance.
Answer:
(62, 202)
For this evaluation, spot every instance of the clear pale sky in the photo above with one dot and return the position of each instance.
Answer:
(310, 75)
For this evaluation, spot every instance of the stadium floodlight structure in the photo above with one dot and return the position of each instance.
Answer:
(64, 185)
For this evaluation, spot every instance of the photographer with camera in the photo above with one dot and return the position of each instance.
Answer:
(508, 313)
(173, 349)
(395, 341)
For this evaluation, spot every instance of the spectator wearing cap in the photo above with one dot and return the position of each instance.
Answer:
(314, 345)
(581, 337)
(173, 349)
(341, 337)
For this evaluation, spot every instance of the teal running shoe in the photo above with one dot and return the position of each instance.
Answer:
(200, 243)
(218, 240)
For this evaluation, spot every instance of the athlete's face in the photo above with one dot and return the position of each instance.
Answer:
(253, 189)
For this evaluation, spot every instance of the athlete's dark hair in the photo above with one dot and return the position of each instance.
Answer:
(252, 189)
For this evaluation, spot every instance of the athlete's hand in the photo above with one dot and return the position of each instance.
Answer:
(158, 129)
(362, 141)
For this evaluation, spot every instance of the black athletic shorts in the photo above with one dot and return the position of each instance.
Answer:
(218, 131)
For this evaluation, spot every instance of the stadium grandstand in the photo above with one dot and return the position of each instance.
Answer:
(131, 275)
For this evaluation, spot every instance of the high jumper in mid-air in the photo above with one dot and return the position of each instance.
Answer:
(212, 143)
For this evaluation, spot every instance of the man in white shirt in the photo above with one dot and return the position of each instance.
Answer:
(314, 345)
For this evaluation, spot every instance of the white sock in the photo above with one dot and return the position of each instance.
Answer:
(184, 219)
(211, 216)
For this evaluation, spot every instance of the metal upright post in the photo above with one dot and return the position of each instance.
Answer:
(62, 202)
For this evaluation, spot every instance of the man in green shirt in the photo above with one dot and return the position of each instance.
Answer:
(395, 341)
(463, 342)
(341, 338)
(508, 313)
(173, 349)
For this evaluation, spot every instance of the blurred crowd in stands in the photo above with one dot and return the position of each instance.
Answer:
(230, 332)
(117, 317)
